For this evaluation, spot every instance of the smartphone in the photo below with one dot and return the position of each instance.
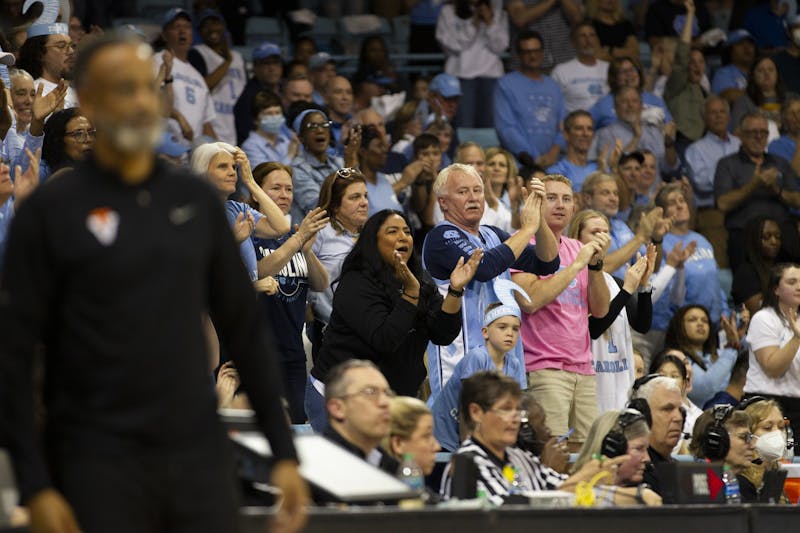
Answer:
(565, 436)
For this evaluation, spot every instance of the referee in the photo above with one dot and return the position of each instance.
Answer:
(109, 272)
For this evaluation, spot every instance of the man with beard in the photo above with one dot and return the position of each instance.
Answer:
(192, 107)
(583, 80)
(48, 55)
(110, 271)
(223, 70)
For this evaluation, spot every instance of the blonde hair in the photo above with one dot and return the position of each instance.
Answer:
(440, 185)
(406, 413)
(513, 170)
(579, 221)
(597, 433)
(559, 178)
(759, 410)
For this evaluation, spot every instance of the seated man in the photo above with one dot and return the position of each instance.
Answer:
(663, 396)
(555, 332)
(358, 401)
(579, 132)
(528, 106)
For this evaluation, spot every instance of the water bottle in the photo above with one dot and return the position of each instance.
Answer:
(732, 492)
(411, 474)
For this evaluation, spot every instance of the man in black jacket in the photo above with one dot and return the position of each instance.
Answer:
(110, 271)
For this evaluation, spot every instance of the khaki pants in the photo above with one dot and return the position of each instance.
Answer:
(569, 400)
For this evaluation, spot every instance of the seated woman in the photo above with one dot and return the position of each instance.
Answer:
(412, 433)
(766, 423)
(386, 309)
(68, 138)
(269, 139)
(766, 92)
(736, 452)
(616, 433)
(490, 407)
(690, 331)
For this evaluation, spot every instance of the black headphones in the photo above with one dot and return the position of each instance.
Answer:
(614, 443)
(715, 441)
(747, 402)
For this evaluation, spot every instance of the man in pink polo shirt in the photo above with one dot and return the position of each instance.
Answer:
(555, 325)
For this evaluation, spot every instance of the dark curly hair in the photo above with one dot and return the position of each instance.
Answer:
(54, 131)
(366, 258)
(30, 55)
(676, 336)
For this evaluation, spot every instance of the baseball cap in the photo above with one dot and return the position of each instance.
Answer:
(169, 146)
(737, 36)
(638, 156)
(319, 59)
(209, 14)
(265, 50)
(446, 85)
(174, 13)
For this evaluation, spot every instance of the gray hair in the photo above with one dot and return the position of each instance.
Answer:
(467, 144)
(646, 391)
(14, 73)
(440, 185)
(203, 154)
(715, 98)
(336, 382)
(756, 113)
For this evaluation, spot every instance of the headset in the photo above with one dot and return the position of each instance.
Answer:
(715, 441)
(747, 402)
(614, 443)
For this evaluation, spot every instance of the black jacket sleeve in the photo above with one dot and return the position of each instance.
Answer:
(598, 326)
(640, 311)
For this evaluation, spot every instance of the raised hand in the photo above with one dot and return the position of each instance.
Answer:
(731, 332)
(464, 271)
(651, 255)
(679, 255)
(406, 277)
(352, 147)
(587, 252)
(635, 273)
(243, 227)
(743, 321)
(315, 220)
(532, 208)
(26, 182)
(44, 105)
(245, 172)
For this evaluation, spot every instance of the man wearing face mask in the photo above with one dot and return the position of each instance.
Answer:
(788, 61)
(270, 138)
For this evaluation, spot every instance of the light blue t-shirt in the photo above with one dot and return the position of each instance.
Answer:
(381, 195)
(576, 174)
(728, 77)
(783, 147)
(246, 250)
(604, 113)
(445, 408)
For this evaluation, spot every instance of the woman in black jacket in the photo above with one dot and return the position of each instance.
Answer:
(387, 308)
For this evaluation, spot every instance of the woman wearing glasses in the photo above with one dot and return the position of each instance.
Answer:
(68, 138)
(314, 164)
(741, 449)
(386, 309)
(490, 408)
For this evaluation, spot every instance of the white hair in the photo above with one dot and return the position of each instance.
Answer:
(14, 73)
(203, 154)
(440, 185)
(647, 390)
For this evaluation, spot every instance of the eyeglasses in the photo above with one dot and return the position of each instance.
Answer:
(311, 126)
(756, 133)
(348, 173)
(81, 136)
(62, 45)
(372, 394)
(511, 413)
(525, 51)
(747, 437)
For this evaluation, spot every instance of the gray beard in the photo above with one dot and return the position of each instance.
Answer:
(130, 140)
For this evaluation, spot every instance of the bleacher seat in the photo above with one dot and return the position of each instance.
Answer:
(355, 28)
(485, 137)
(260, 29)
(155, 9)
(325, 33)
(401, 29)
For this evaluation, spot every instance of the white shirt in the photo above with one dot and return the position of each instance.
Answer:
(226, 92)
(499, 218)
(190, 97)
(473, 52)
(70, 100)
(767, 329)
(582, 85)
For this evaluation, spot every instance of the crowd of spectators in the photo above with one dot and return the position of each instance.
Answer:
(598, 239)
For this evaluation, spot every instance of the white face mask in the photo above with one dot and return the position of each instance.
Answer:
(796, 36)
(771, 446)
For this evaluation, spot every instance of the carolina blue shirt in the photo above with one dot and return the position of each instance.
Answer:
(621, 234)
(577, 175)
(260, 150)
(246, 250)
(309, 173)
(706, 383)
(604, 113)
(6, 215)
(528, 113)
(728, 77)
(445, 408)
(783, 147)
(702, 281)
(381, 195)
(702, 157)
(425, 13)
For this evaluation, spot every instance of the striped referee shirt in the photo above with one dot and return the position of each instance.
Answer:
(533, 475)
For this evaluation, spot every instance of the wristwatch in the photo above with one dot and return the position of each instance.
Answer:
(452, 292)
(597, 266)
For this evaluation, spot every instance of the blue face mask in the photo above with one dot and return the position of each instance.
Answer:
(272, 123)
